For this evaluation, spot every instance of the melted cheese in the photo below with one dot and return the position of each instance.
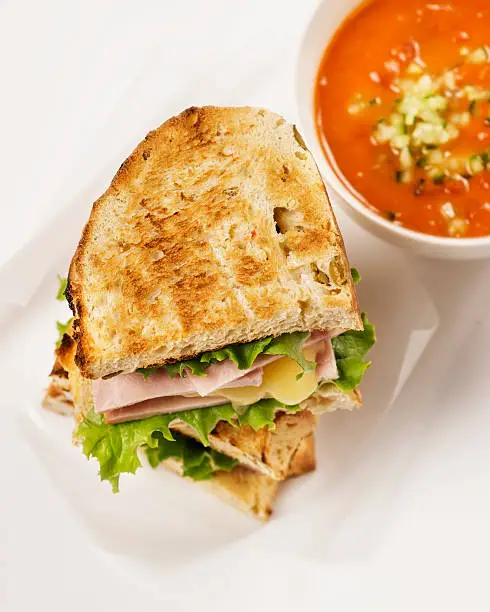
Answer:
(280, 382)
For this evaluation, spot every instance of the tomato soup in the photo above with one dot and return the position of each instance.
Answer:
(402, 106)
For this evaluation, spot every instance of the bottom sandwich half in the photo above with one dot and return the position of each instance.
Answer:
(247, 489)
(241, 453)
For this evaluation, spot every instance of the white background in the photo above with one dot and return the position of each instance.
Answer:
(65, 65)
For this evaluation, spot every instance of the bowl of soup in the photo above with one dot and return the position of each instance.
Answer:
(394, 102)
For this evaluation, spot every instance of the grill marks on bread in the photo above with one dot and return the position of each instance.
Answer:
(185, 252)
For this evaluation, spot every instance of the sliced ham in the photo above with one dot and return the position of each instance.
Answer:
(130, 389)
(161, 405)
(326, 368)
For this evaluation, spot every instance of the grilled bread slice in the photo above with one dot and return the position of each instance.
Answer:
(250, 491)
(216, 230)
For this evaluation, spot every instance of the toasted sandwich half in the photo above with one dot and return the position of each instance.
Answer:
(248, 490)
(212, 298)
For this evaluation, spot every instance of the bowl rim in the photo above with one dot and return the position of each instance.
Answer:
(335, 178)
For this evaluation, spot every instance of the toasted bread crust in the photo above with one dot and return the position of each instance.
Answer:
(217, 229)
(250, 491)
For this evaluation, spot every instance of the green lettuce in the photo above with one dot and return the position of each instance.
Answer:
(350, 349)
(198, 462)
(178, 368)
(262, 413)
(244, 355)
(115, 446)
(62, 288)
(62, 329)
(356, 277)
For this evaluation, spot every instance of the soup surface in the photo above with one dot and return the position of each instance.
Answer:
(403, 100)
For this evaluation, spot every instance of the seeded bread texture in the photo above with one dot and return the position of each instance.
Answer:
(216, 230)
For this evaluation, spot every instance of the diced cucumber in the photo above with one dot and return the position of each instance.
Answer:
(355, 108)
(400, 141)
(430, 116)
(398, 121)
(449, 80)
(461, 119)
(447, 210)
(452, 131)
(406, 159)
(424, 85)
(476, 93)
(456, 227)
(410, 106)
(414, 69)
(436, 103)
(478, 56)
(406, 85)
(475, 164)
(428, 133)
(435, 157)
(384, 133)
(436, 174)
(457, 165)
(404, 177)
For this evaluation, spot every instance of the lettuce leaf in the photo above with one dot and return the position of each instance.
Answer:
(62, 329)
(198, 462)
(178, 368)
(262, 413)
(356, 277)
(291, 345)
(116, 446)
(350, 349)
(62, 288)
(244, 355)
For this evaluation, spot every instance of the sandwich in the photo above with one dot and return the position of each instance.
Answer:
(214, 310)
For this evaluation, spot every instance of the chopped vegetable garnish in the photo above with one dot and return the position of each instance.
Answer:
(417, 135)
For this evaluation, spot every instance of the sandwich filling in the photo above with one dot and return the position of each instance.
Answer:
(289, 380)
(244, 384)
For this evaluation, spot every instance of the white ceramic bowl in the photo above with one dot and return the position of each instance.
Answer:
(327, 18)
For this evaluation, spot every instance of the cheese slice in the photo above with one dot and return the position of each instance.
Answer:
(279, 381)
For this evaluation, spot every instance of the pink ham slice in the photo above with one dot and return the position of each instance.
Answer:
(161, 405)
(326, 368)
(130, 389)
